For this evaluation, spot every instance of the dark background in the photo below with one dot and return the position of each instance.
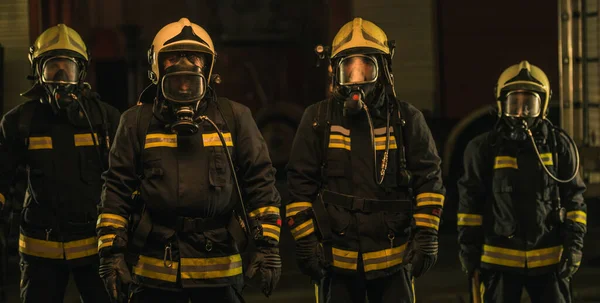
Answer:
(267, 62)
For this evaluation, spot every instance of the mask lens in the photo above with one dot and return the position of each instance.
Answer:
(172, 58)
(357, 69)
(183, 86)
(522, 104)
(60, 70)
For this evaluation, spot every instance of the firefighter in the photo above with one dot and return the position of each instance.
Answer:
(521, 215)
(179, 153)
(365, 179)
(61, 136)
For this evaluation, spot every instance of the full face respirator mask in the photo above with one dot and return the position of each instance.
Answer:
(521, 110)
(183, 86)
(60, 79)
(357, 77)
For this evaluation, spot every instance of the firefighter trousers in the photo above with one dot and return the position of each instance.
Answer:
(227, 294)
(505, 287)
(397, 288)
(46, 281)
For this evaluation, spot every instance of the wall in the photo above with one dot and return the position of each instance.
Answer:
(14, 36)
(412, 25)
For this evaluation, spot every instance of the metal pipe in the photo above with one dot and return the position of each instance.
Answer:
(579, 70)
(561, 91)
(566, 91)
(585, 111)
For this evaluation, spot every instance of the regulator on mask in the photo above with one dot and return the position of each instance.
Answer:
(183, 86)
(357, 77)
(60, 79)
(521, 110)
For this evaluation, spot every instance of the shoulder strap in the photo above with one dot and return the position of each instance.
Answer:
(226, 108)
(322, 126)
(25, 119)
(143, 118)
(399, 131)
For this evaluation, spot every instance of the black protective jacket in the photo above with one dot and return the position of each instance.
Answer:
(64, 170)
(373, 227)
(507, 201)
(188, 191)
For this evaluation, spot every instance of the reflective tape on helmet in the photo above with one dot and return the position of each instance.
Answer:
(264, 211)
(211, 268)
(160, 140)
(430, 199)
(214, 140)
(85, 139)
(577, 216)
(156, 269)
(505, 162)
(425, 220)
(271, 231)
(294, 208)
(39, 143)
(303, 230)
(469, 220)
(383, 259)
(345, 259)
(106, 220)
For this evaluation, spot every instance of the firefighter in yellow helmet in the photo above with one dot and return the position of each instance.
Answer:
(183, 152)
(521, 215)
(365, 179)
(62, 136)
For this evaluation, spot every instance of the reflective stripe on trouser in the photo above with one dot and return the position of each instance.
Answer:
(211, 268)
(520, 258)
(58, 250)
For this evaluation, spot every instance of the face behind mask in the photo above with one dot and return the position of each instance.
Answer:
(183, 86)
(60, 78)
(521, 110)
(357, 79)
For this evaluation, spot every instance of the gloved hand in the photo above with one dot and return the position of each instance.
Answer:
(569, 263)
(268, 262)
(114, 273)
(309, 256)
(422, 253)
(470, 259)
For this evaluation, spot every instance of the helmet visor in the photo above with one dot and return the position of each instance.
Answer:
(183, 87)
(522, 104)
(357, 69)
(60, 70)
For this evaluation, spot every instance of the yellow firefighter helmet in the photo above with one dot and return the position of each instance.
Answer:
(360, 35)
(523, 76)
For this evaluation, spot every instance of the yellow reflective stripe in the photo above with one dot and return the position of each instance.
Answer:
(160, 140)
(384, 258)
(263, 211)
(105, 220)
(380, 143)
(106, 241)
(503, 256)
(214, 140)
(155, 269)
(428, 199)
(40, 248)
(40, 143)
(80, 248)
(211, 268)
(2, 199)
(340, 129)
(577, 216)
(85, 139)
(469, 220)
(544, 257)
(294, 208)
(505, 162)
(345, 259)
(303, 230)
(426, 220)
(547, 159)
(272, 231)
(339, 141)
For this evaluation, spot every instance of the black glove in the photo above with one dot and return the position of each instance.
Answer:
(470, 259)
(569, 263)
(114, 273)
(268, 262)
(422, 253)
(309, 257)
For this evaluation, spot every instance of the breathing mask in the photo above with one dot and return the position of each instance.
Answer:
(357, 78)
(183, 86)
(60, 78)
(521, 110)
